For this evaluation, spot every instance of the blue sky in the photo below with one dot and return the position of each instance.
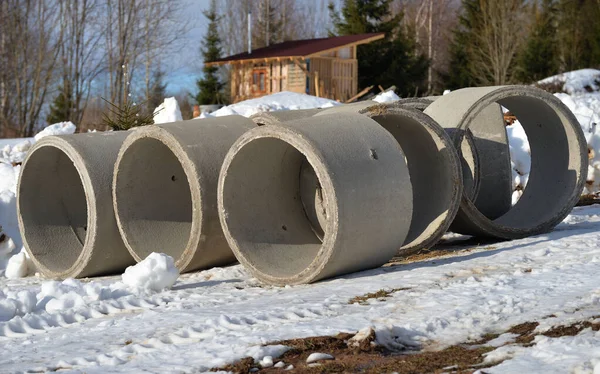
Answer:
(185, 66)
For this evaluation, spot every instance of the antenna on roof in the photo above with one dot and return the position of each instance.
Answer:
(249, 32)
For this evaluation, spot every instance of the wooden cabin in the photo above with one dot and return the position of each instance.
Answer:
(325, 67)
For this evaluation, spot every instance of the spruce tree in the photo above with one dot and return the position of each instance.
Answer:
(539, 59)
(392, 60)
(210, 86)
(62, 106)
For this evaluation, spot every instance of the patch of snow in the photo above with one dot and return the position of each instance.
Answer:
(577, 81)
(62, 128)
(156, 273)
(266, 362)
(18, 266)
(167, 112)
(314, 357)
(279, 365)
(386, 97)
(278, 101)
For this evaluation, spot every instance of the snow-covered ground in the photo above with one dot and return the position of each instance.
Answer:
(210, 318)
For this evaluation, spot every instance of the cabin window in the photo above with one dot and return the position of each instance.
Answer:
(259, 81)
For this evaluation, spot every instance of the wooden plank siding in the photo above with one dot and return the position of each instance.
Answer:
(338, 78)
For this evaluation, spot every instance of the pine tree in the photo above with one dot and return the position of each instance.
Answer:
(539, 59)
(61, 107)
(392, 60)
(126, 116)
(210, 86)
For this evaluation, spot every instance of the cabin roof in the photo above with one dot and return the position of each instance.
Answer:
(300, 48)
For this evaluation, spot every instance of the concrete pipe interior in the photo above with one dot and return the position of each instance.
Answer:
(153, 199)
(262, 190)
(433, 166)
(53, 209)
(556, 165)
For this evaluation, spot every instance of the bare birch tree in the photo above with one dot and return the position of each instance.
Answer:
(30, 40)
(498, 40)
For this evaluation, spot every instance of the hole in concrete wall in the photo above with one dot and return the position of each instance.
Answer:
(153, 199)
(53, 208)
(266, 214)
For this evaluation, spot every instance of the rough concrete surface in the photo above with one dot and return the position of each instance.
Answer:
(558, 157)
(433, 163)
(65, 207)
(364, 186)
(271, 118)
(165, 190)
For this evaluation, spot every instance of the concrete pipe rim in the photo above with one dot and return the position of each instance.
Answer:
(56, 143)
(155, 133)
(449, 162)
(314, 157)
(498, 227)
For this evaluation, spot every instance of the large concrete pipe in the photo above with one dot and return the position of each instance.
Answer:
(165, 190)
(64, 206)
(487, 173)
(365, 194)
(433, 163)
(270, 118)
(558, 152)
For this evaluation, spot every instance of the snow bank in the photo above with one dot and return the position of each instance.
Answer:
(279, 101)
(156, 272)
(576, 82)
(386, 97)
(62, 128)
(168, 111)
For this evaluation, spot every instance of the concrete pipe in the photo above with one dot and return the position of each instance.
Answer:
(64, 206)
(270, 118)
(558, 152)
(485, 158)
(165, 190)
(434, 167)
(365, 194)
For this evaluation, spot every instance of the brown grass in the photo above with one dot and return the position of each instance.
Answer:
(379, 295)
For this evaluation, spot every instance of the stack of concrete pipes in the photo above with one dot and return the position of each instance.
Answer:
(303, 196)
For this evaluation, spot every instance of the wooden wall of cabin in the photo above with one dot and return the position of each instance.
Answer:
(282, 75)
(337, 78)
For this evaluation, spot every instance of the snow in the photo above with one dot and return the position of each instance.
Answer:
(156, 272)
(386, 97)
(62, 128)
(314, 357)
(278, 101)
(577, 81)
(17, 266)
(167, 112)
(212, 318)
